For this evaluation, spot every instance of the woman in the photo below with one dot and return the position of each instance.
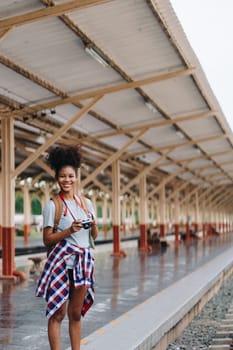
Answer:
(67, 279)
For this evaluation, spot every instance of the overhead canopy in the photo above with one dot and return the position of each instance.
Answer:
(120, 78)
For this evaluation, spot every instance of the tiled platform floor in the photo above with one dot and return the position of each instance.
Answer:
(121, 284)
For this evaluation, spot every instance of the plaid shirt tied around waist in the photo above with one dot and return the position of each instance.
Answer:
(54, 282)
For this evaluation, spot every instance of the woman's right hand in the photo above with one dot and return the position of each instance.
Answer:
(76, 226)
(51, 238)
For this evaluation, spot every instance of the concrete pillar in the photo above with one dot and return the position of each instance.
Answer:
(105, 214)
(169, 215)
(110, 211)
(127, 215)
(162, 207)
(47, 193)
(203, 219)
(93, 200)
(177, 217)
(8, 199)
(196, 213)
(132, 214)
(225, 228)
(1, 206)
(208, 220)
(27, 212)
(158, 214)
(123, 215)
(152, 212)
(219, 222)
(116, 207)
(188, 219)
(143, 213)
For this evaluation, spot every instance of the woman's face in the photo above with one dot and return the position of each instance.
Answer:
(66, 178)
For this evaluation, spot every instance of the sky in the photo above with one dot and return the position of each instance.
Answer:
(208, 26)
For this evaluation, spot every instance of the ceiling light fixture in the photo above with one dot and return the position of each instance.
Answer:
(180, 134)
(53, 111)
(43, 113)
(41, 138)
(151, 106)
(197, 149)
(178, 131)
(25, 118)
(94, 53)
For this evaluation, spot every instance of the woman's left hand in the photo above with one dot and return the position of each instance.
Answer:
(94, 229)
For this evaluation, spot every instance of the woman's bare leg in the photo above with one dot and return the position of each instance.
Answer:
(77, 296)
(54, 328)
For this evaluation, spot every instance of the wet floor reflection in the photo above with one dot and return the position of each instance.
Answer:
(140, 276)
(121, 284)
(7, 316)
(115, 275)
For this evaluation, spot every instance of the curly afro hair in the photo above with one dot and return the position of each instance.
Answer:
(63, 156)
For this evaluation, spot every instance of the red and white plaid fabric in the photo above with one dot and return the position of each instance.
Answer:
(54, 282)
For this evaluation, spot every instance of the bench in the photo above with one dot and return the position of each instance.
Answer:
(37, 263)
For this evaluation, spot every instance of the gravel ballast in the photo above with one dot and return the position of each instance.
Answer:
(199, 334)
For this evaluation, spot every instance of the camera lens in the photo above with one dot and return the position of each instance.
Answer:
(86, 225)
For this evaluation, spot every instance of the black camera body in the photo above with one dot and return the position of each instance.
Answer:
(86, 224)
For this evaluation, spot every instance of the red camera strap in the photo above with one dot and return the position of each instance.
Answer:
(68, 208)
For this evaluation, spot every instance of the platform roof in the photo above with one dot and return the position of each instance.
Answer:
(148, 103)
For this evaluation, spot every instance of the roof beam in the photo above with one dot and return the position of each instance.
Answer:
(190, 194)
(156, 124)
(36, 179)
(4, 33)
(113, 157)
(97, 182)
(182, 144)
(164, 182)
(103, 91)
(145, 171)
(47, 12)
(178, 189)
(226, 200)
(38, 161)
(218, 196)
(50, 141)
(190, 142)
(31, 76)
(201, 157)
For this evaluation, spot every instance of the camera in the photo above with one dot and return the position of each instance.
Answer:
(86, 224)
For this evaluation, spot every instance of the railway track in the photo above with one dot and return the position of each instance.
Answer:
(212, 327)
(223, 338)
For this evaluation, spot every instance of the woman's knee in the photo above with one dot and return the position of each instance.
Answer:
(59, 315)
(74, 315)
